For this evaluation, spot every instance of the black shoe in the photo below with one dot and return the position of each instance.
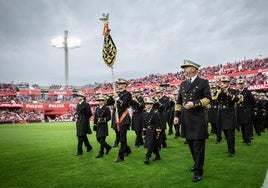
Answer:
(146, 160)
(196, 178)
(157, 158)
(231, 155)
(259, 134)
(115, 146)
(108, 149)
(118, 160)
(89, 148)
(78, 153)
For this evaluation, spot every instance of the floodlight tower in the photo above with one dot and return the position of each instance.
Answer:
(66, 43)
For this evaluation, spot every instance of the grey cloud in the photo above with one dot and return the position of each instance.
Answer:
(151, 37)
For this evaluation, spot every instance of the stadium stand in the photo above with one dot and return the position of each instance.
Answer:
(33, 103)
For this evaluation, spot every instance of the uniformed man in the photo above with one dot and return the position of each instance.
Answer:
(82, 115)
(194, 96)
(226, 98)
(244, 110)
(122, 117)
(161, 105)
(137, 105)
(110, 102)
(101, 118)
(212, 111)
(151, 130)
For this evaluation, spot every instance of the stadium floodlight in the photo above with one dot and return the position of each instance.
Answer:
(66, 43)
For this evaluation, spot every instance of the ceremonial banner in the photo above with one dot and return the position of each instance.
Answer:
(109, 49)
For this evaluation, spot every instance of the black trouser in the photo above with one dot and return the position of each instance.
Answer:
(139, 140)
(103, 144)
(177, 129)
(150, 151)
(117, 137)
(124, 148)
(170, 127)
(219, 129)
(82, 139)
(246, 131)
(162, 139)
(257, 125)
(213, 128)
(230, 137)
(197, 148)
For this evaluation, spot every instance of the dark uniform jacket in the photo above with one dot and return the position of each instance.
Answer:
(162, 106)
(83, 112)
(151, 123)
(226, 109)
(137, 117)
(101, 118)
(193, 121)
(212, 111)
(123, 104)
(245, 107)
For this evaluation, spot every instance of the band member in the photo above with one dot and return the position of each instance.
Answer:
(101, 117)
(161, 105)
(226, 98)
(82, 115)
(244, 112)
(122, 117)
(137, 105)
(212, 114)
(151, 130)
(194, 96)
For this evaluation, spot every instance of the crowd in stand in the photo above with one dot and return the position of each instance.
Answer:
(239, 66)
(17, 115)
(4, 87)
(5, 99)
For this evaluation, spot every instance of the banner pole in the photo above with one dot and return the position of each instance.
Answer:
(113, 78)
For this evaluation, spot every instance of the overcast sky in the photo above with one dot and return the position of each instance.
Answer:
(152, 36)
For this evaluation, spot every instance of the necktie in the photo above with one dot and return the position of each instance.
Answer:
(190, 80)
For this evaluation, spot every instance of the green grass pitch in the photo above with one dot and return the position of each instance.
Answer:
(41, 155)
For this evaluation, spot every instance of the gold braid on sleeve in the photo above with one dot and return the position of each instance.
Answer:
(178, 107)
(205, 101)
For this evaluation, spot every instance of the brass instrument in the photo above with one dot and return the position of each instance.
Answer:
(219, 89)
(241, 98)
